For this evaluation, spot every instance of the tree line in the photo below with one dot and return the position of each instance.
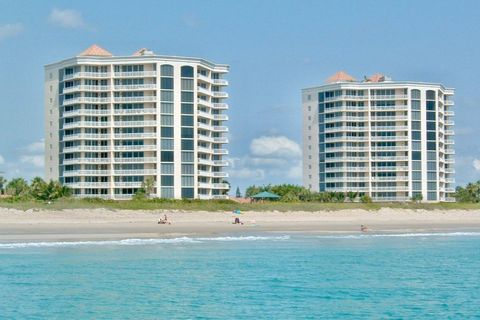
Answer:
(38, 189)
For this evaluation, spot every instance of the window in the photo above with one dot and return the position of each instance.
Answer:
(431, 146)
(166, 132)
(416, 125)
(416, 165)
(167, 168)
(431, 166)
(431, 155)
(188, 193)
(187, 108)
(167, 193)
(416, 175)
(187, 96)
(187, 144)
(187, 84)
(187, 156)
(166, 95)
(432, 196)
(187, 72)
(167, 181)
(430, 95)
(431, 186)
(416, 115)
(187, 169)
(416, 185)
(416, 145)
(166, 120)
(431, 136)
(416, 155)
(415, 105)
(187, 121)
(431, 126)
(416, 94)
(166, 108)
(167, 144)
(431, 116)
(166, 70)
(431, 176)
(187, 181)
(166, 83)
(166, 156)
(431, 105)
(416, 135)
(187, 133)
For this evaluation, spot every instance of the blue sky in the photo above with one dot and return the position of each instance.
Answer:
(274, 48)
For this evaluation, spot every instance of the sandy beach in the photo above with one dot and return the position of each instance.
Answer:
(102, 224)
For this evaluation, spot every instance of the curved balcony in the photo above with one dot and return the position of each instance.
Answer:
(88, 185)
(136, 147)
(136, 160)
(83, 124)
(145, 123)
(85, 112)
(133, 184)
(135, 111)
(138, 172)
(73, 173)
(80, 136)
(135, 74)
(86, 88)
(389, 97)
(85, 148)
(138, 99)
(132, 87)
(76, 100)
(136, 135)
(85, 160)
(383, 169)
(93, 75)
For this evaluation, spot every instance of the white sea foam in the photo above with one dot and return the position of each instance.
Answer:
(134, 242)
(402, 235)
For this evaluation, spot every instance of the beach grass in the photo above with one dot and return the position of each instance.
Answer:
(222, 205)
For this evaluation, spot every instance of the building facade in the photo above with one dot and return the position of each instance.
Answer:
(114, 123)
(391, 140)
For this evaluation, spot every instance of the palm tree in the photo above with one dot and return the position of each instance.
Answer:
(148, 186)
(3, 182)
(17, 187)
(352, 195)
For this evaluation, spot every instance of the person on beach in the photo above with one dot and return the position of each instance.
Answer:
(363, 228)
(164, 220)
(237, 221)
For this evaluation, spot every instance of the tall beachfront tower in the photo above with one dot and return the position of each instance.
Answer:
(112, 122)
(391, 140)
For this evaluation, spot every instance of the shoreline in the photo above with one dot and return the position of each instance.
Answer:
(102, 224)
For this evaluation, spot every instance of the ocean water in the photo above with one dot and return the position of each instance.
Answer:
(280, 276)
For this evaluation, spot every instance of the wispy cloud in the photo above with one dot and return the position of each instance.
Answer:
(476, 164)
(10, 30)
(2, 160)
(277, 146)
(67, 18)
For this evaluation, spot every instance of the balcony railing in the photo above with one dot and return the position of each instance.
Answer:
(136, 160)
(85, 112)
(86, 75)
(79, 136)
(85, 160)
(140, 74)
(389, 97)
(135, 111)
(135, 123)
(86, 88)
(147, 86)
(135, 147)
(85, 124)
(135, 99)
(86, 100)
(140, 135)
(139, 172)
(86, 173)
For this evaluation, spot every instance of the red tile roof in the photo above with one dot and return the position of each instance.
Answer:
(96, 51)
(340, 76)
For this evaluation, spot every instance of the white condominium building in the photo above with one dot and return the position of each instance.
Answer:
(391, 140)
(112, 122)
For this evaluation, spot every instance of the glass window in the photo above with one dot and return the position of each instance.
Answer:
(187, 121)
(166, 156)
(431, 186)
(187, 84)
(166, 95)
(431, 155)
(431, 135)
(416, 125)
(167, 144)
(167, 168)
(167, 181)
(167, 193)
(416, 165)
(416, 135)
(166, 132)
(416, 145)
(416, 175)
(431, 175)
(166, 83)
(415, 104)
(166, 108)
(431, 125)
(187, 144)
(187, 133)
(431, 105)
(187, 72)
(187, 156)
(432, 196)
(431, 116)
(416, 115)
(430, 95)
(416, 94)
(431, 166)
(431, 146)
(166, 70)
(166, 120)
(188, 193)
(187, 108)
(416, 155)
(187, 169)
(187, 181)
(187, 96)
(416, 185)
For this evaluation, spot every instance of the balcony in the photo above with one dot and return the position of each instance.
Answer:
(389, 118)
(135, 111)
(88, 185)
(390, 108)
(132, 184)
(389, 97)
(389, 128)
(389, 148)
(343, 138)
(345, 118)
(145, 123)
(346, 179)
(147, 86)
(136, 74)
(389, 138)
(383, 169)
(212, 174)
(85, 160)
(449, 113)
(136, 160)
(395, 178)
(72, 173)
(347, 97)
(220, 106)
(86, 75)
(135, 99)
(343, 159)
(139, 135)
(346, 149)
(390, 189)
(85, 112)
(449, 102)
(391, 199)
(449, 132)
(76, 100)
(80, 136)
(397, 158)
(220, 94)
(345, 128)
(86, 88)
(136, 147)
(139, 172)
(346, 169)
(85, 148)
(220, 186)
(82, 124)
(449, 122)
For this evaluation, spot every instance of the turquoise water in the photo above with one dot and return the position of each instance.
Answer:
(255, 277)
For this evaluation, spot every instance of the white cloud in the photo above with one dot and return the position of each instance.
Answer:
(476, 164)
(10, 30)
(275, 146)
(36, 147)
(67, 18)
(2, 159)
(35, 160)
(295, 172)
(246, 173)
